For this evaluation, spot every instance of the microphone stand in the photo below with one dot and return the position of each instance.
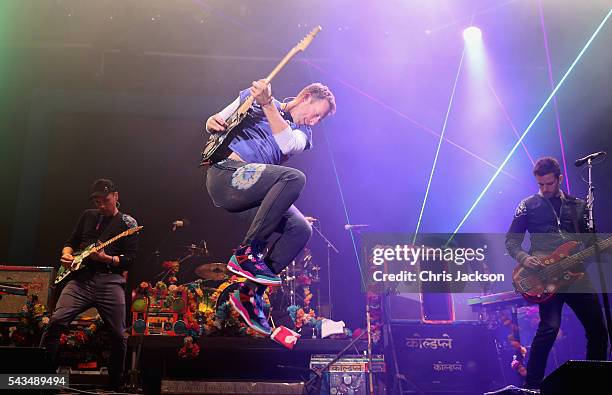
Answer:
(592, 229)
(313, 386)
(368, 321)
(330, 247)
(162, 243)
(368, 331)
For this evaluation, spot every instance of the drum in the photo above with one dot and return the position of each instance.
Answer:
(205, 303)
(203, 299)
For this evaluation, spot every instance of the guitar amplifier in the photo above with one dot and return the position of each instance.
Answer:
(36, 279)
(348, 375)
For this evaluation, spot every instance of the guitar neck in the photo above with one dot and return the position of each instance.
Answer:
(302, 45)
(244, 107)
(281, 64)
(587, 252)
(109, 241)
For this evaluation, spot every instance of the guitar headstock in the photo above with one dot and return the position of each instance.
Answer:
(133, 230)
(302, 45)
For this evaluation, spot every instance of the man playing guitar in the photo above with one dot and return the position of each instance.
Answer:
(251, 182)
(101, 283)
(553, 218)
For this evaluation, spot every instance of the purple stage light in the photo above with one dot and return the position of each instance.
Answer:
(472, 34)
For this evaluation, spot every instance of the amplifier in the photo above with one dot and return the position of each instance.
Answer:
(429, 308)
(441, 358)
(348, 375)
(348, 363)
(36, 279)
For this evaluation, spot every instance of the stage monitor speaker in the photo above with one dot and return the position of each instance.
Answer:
(578, 377)
(441, 358)
(37, 280)
(24, 360)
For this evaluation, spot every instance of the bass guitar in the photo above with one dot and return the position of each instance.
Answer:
(560, 269)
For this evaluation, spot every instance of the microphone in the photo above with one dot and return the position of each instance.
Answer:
(582, 161)
(180, 223)
(355, 226)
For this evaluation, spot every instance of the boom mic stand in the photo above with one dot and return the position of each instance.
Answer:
(592, 229)
(313, 385)
(368, 331)
(368, 318)
(330, 247)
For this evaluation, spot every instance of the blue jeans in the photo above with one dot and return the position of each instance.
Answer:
(263, 195)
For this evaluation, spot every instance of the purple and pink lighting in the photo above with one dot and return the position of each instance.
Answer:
(395, 237)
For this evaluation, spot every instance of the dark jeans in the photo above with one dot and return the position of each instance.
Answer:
(587, 308)
(264, 196)
(105, 292)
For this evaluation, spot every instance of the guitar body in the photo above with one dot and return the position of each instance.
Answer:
(217, 146)
(538, 285)
(64, 273)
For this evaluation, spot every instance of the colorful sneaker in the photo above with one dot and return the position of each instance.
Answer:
(246, 264)
(250, 308)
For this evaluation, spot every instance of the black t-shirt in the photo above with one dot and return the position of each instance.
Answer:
(556, 203)
(92, 225)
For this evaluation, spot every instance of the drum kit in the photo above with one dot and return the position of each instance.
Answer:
(299, 279)
(210, 284)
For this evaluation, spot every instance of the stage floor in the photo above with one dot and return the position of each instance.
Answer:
(228, 358)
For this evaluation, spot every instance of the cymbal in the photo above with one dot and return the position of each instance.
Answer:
(195, 249)
(212, 271)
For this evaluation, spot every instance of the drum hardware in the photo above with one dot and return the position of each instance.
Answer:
(215, 271)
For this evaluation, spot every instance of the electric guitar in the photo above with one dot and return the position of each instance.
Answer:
(559, 270)
(217, 146)
(77, 263)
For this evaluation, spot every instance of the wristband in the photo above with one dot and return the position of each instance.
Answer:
(269, 101)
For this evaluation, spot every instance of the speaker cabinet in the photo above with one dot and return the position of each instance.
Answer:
(24, 360)
(37, 280)
(578, 377)
(441, 358)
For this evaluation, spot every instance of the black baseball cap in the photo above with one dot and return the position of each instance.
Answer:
(102, 187)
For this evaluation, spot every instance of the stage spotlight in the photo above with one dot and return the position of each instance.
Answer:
(472, 34)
